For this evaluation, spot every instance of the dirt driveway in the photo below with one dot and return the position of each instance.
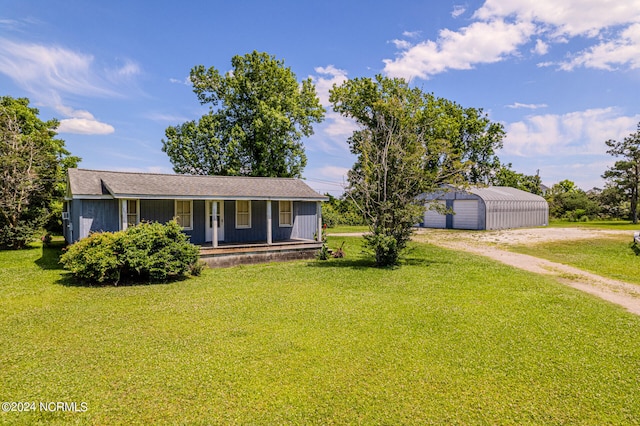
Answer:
(492, 244)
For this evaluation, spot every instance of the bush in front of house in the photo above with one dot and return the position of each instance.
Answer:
(148, 252)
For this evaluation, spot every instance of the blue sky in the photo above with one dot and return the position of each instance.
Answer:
(561, 76)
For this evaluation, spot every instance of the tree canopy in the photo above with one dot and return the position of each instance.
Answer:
(625, 173)
(32, 166)
(410, 142)
(257, 118)
(506, 176)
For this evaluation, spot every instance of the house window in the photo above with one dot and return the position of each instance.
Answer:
(184, 213)
(130, 213)
(133, 215)
(243, 214)
(285, 213)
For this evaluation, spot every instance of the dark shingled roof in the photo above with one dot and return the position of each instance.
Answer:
(98, 184)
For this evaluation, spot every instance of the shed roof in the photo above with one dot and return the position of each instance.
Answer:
(106, 184)
(504, 193)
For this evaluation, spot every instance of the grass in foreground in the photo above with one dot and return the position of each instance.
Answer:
(346, 229)
(610, 257)
(620, 225)
(446, 338)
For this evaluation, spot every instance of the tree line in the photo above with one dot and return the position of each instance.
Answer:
(408, 142)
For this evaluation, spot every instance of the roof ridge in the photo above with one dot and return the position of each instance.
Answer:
(182, 174)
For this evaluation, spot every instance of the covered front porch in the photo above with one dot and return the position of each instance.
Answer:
(251, 222)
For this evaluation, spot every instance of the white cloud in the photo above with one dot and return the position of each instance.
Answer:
(458, 10)
(501, 28)
(412, 34)
(81, 122)
(541, 47)
(567, 17)
(401, 44)
(323, 84)
(50, 73)
(480, 42)
(580, 132)
(335, 173)
(624, 50)
(84, 126)
(186, 81)
(339, 127)
(518, 105)
(42, 69)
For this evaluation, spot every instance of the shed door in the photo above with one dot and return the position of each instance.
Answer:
(466, 214)
(433, 219)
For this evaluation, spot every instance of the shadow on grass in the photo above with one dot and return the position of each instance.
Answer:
(366, 263)
(68, 280)
(343, 263)
(50, 258)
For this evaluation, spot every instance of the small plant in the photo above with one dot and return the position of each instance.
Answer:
(324, 252)
(339, 253)
(46, 239)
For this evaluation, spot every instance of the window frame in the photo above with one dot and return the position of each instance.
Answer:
(124, 203)
(281, 223)
(177, 216)
(248, 214)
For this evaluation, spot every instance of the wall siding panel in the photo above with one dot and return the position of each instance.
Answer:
(157, 210)
(305, 220)
(97, 216)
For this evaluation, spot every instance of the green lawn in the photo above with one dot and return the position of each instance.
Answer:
(620, 225)
(610, 257)
(344, 229)
(448, 338)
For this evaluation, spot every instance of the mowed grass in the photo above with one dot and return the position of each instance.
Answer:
(346, 229)
(611, 257)
(620, 225)
(448, 338)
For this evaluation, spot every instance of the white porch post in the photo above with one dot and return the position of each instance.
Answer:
(269, 221)
(214, 215)
(319, 225)
(123, 205)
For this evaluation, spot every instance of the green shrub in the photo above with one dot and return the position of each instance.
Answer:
(385, 247)
(143, 253)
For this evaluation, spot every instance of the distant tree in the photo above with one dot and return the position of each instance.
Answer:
(409, 143)
(613, 204)
(341, 211)
(567, 201)
(258, 115)
(625, 174)
(505, 176)
(32, 165)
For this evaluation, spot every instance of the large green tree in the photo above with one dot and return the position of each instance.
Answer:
(258, 115)
(410, 142)
(506, 176)
(625, 173)
(32, 165)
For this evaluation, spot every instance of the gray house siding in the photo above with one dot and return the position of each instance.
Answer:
(305, 220)
(258, 230)
(197, 234)
(94, 216)
(280, 232)
(157, 210)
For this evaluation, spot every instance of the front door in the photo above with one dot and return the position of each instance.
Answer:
(219, 216)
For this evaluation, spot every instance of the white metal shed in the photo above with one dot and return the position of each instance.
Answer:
(493, 207)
